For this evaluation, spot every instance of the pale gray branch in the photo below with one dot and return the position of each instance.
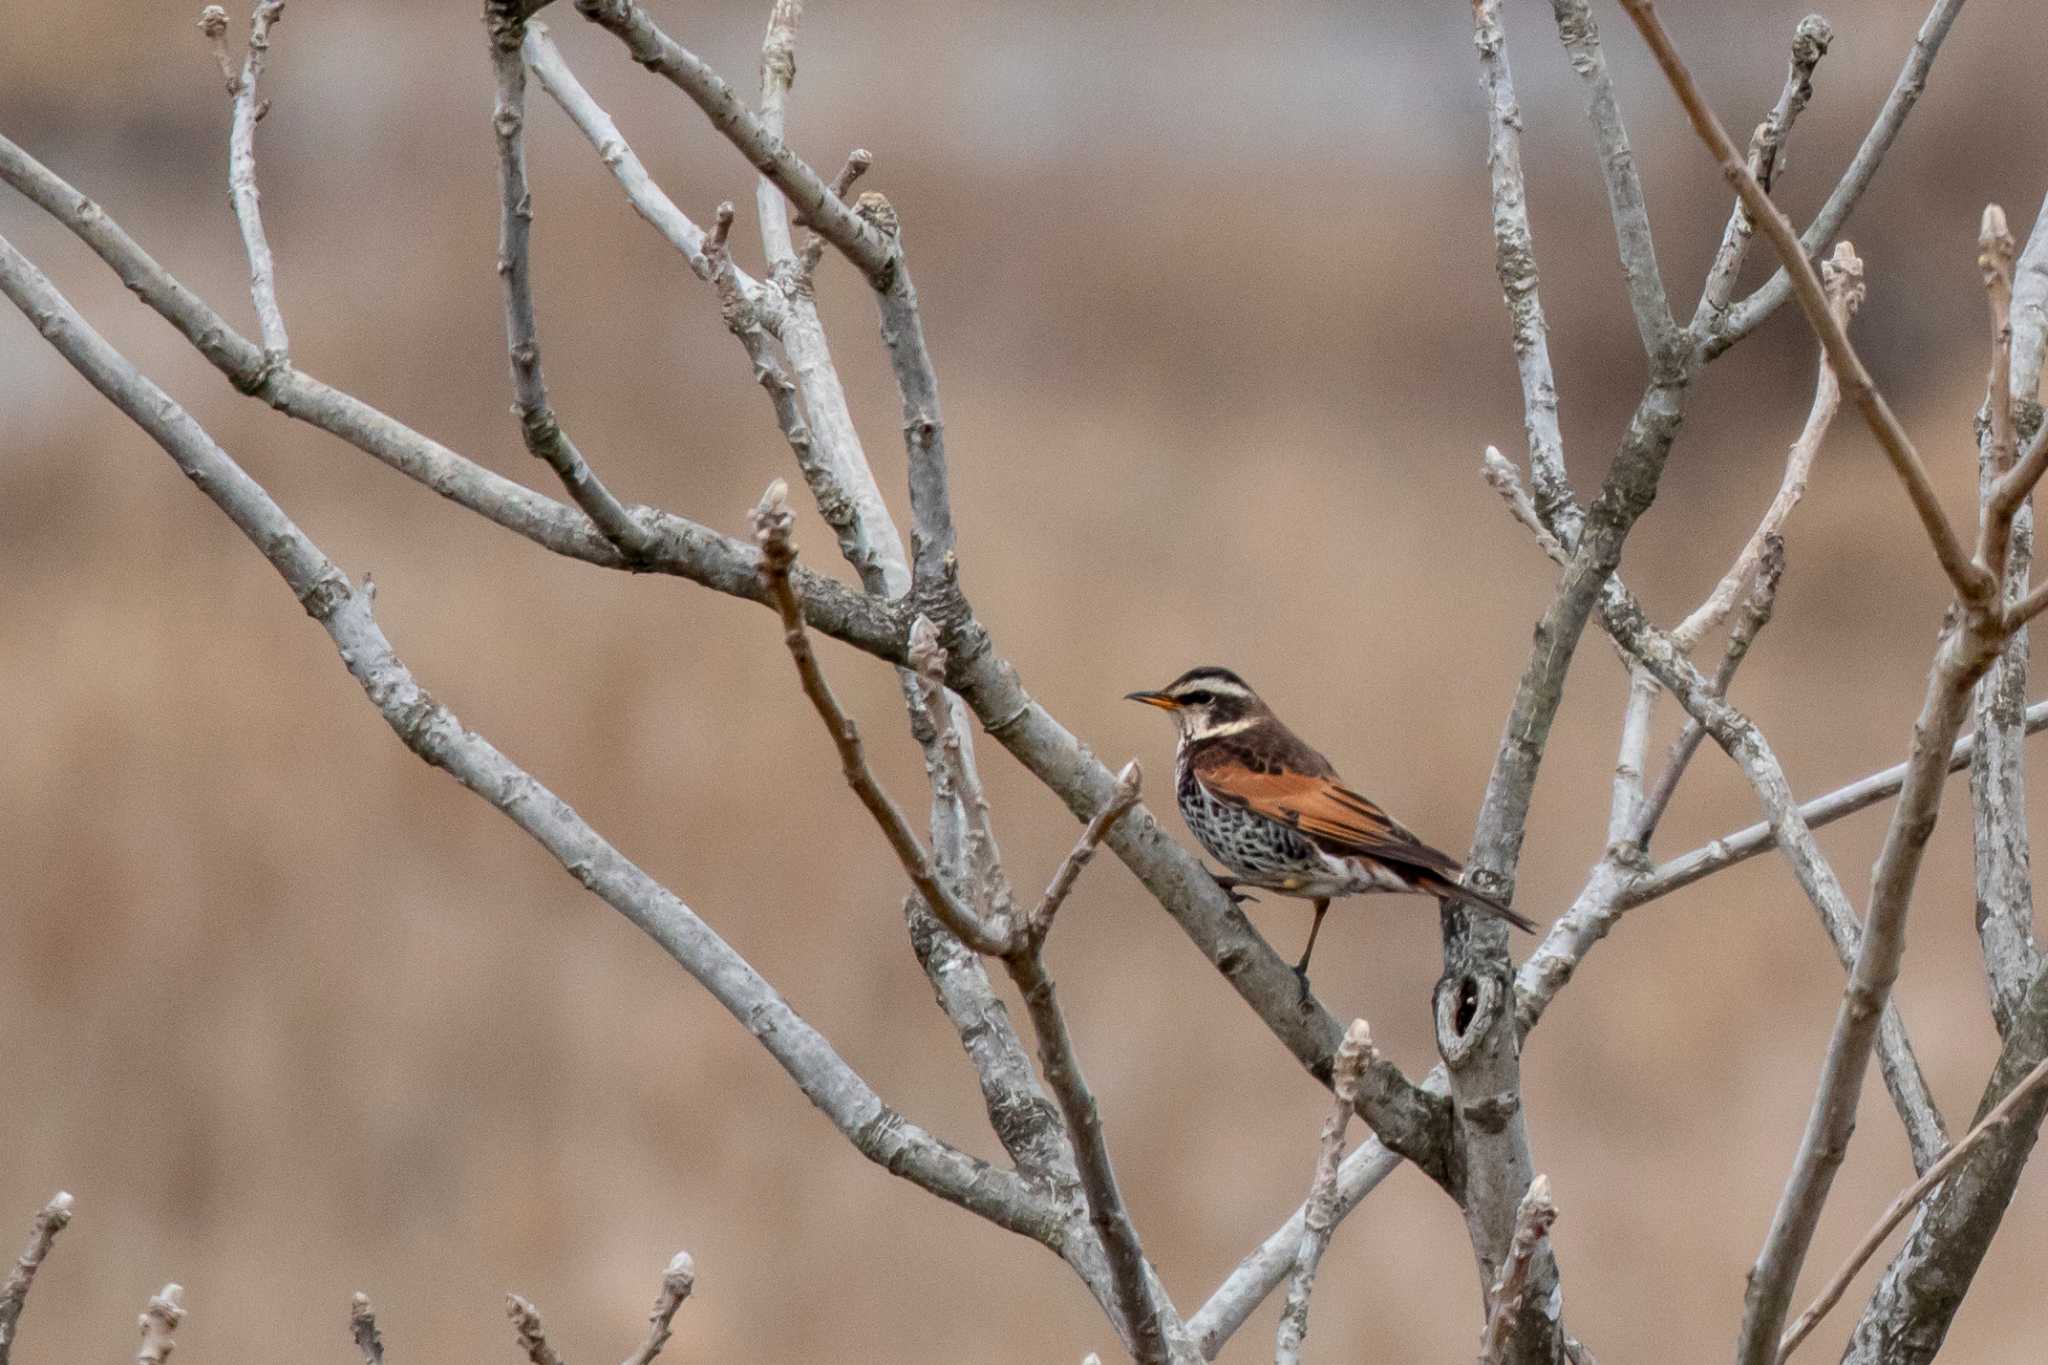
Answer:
(160, 1317)
(543, 433)
(676, 1283)
(1581, 39)
(1810, 42)
(1514, 262)
(242, 181)
(433, 732)
(1998, 791)
(532, 1334)
(682, 547)
(1533, 1219)
(813, 197)
(1862, 169)
(42, 1233)
(1743, 844)
(362, 1329)
(1320, 1211)
(1973, 583)
(1907, 1199)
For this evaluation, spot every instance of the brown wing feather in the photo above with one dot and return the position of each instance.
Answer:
(1342, 821)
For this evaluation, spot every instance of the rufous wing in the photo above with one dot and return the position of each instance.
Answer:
(1341, 821)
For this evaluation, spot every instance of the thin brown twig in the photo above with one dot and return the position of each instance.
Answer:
(772, 526)
(533, 1336)
(1973, 583)
(1533, 1217)
(676, 1283)
(1903, 1205)
(160, 1317)
(362, 1328)
(42, 1233)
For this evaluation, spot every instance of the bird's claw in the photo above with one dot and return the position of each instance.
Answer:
(1228, 886)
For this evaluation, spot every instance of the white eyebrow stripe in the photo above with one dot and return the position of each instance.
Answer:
(1233, 727)
(1220, 686)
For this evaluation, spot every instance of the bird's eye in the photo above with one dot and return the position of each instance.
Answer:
(1197, 698)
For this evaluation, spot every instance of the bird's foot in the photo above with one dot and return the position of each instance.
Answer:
(1301, 979)
(1228, 886)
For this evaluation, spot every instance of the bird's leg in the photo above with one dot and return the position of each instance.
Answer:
(1301, 968)
(1228, 886)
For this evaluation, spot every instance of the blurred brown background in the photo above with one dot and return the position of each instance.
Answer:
(1212, 295)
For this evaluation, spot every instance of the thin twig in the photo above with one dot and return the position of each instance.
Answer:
(1757, 606)
(1845, 289)
(1133, 1299)
(772, 524)
(437, 735)
(806, 189)
(1321, 1209)
(1903, 1205)
(1271, 1263)
(543, 434)
(54, 1218)
(1502, 477)
(1631, 215)
(213, 25)
(1862, 169)
(362, 1328)
(1972, 582)
(533, 1336)
(1746, 843)
(1810, 42)
(1127, 784)
(1514, 262)
(1533, 1218)
(676, 1283)
(160, 1317)
(242, 180)
(1995, 252)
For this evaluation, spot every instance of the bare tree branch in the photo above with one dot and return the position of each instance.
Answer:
(1916, 1299)
(772, 522)
(1862, 169)
(1810, 42)
(1743, 844)
(160, 1317)
(1973, 582)
(1845, 289)
(42, 1233)
(1660, 335)
(242, 177)
(1533, 1219)
(1514, 261)
(676, 1283)
(544, 437)
(1270, 1264)
(682, 547)
(362, 1329)
(533, 1336)
(436, 735)
(1319, 1216)
(1998, 790)
(814, 200)
(1907, 1199)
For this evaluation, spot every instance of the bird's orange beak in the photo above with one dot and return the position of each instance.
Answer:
(1158, 699)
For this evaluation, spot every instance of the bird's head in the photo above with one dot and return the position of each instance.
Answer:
(1207, 703)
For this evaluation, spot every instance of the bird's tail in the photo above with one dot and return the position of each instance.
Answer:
(1479, 900)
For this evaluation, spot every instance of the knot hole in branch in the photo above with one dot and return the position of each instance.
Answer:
(1468, 1006)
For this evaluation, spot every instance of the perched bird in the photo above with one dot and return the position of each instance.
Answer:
(1274, 813)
